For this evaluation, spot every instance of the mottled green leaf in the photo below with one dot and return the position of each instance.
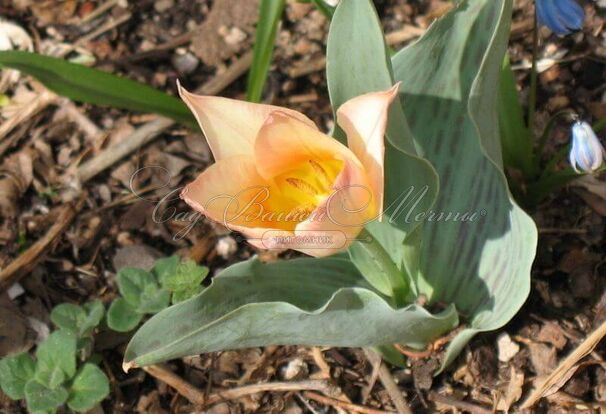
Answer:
(449, 93)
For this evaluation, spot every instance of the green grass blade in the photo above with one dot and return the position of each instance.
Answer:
(94, 86)
(516, 140)
(270, 12)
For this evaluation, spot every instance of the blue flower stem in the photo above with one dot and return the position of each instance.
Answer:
(532, 98)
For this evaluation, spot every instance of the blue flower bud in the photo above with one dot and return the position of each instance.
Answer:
(561, 16)
(587, 153)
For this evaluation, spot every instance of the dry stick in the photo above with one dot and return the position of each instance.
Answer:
(390, 385)
(24, 264)
(152, 129)
(342, 404)
(198, 397)
(461, 405)
(566, 368)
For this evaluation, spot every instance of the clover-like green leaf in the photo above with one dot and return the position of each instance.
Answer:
(56, 359)
(15, 372)
(153, 299)
(81, 320)
(122, 317)
(41, 398)
(184, 294)
(301, 301)
(132, 282)
(90, 386)
(187, 275)
(165, 267)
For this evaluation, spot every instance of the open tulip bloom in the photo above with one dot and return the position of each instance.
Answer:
(283, 183)
(405, 210)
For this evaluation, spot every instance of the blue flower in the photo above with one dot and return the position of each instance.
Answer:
(561, 16)
(587, 153)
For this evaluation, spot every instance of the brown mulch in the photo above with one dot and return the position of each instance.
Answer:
(126, 220)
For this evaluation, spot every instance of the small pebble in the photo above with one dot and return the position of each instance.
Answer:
(163, 5)
(185, 63)
(226, 246)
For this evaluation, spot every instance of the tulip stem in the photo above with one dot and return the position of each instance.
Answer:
(384, 263)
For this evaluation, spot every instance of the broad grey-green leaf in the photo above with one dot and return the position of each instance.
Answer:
(56, 359)
(449, 88)
(90, 386)
(358, 63)
(302, 301)
(41, 398)
(15, 371)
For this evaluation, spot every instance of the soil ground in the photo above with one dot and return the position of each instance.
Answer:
(160, 41)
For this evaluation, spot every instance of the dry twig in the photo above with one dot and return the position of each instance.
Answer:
(342, 404)
(23, 264)
(461, 405)
(198, 397)
(567, 367)
(390, 385)
(152, 129)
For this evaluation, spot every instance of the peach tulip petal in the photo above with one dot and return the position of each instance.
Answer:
(364, 120)
(230, 192)
(284, 141)
(230, 125)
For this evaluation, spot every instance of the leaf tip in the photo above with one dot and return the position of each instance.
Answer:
(127, 365)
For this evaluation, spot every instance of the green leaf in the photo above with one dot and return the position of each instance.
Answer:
(15, 372)
(450, 100)
(358, 63)
(187, 275)
(90, 386)
(56, 359)
(41, 398)
(270, 12)
(183, 295)
(326, 10)
(84, 84)
(165, 267)
(132, 282)
(122, 317)
(392, 241)
(153, 299)
(77, 319)
(516, 140)
(301, 301)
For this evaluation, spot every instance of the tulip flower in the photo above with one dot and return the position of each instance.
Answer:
(281, 182)
(587, 152)
(561, 16)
